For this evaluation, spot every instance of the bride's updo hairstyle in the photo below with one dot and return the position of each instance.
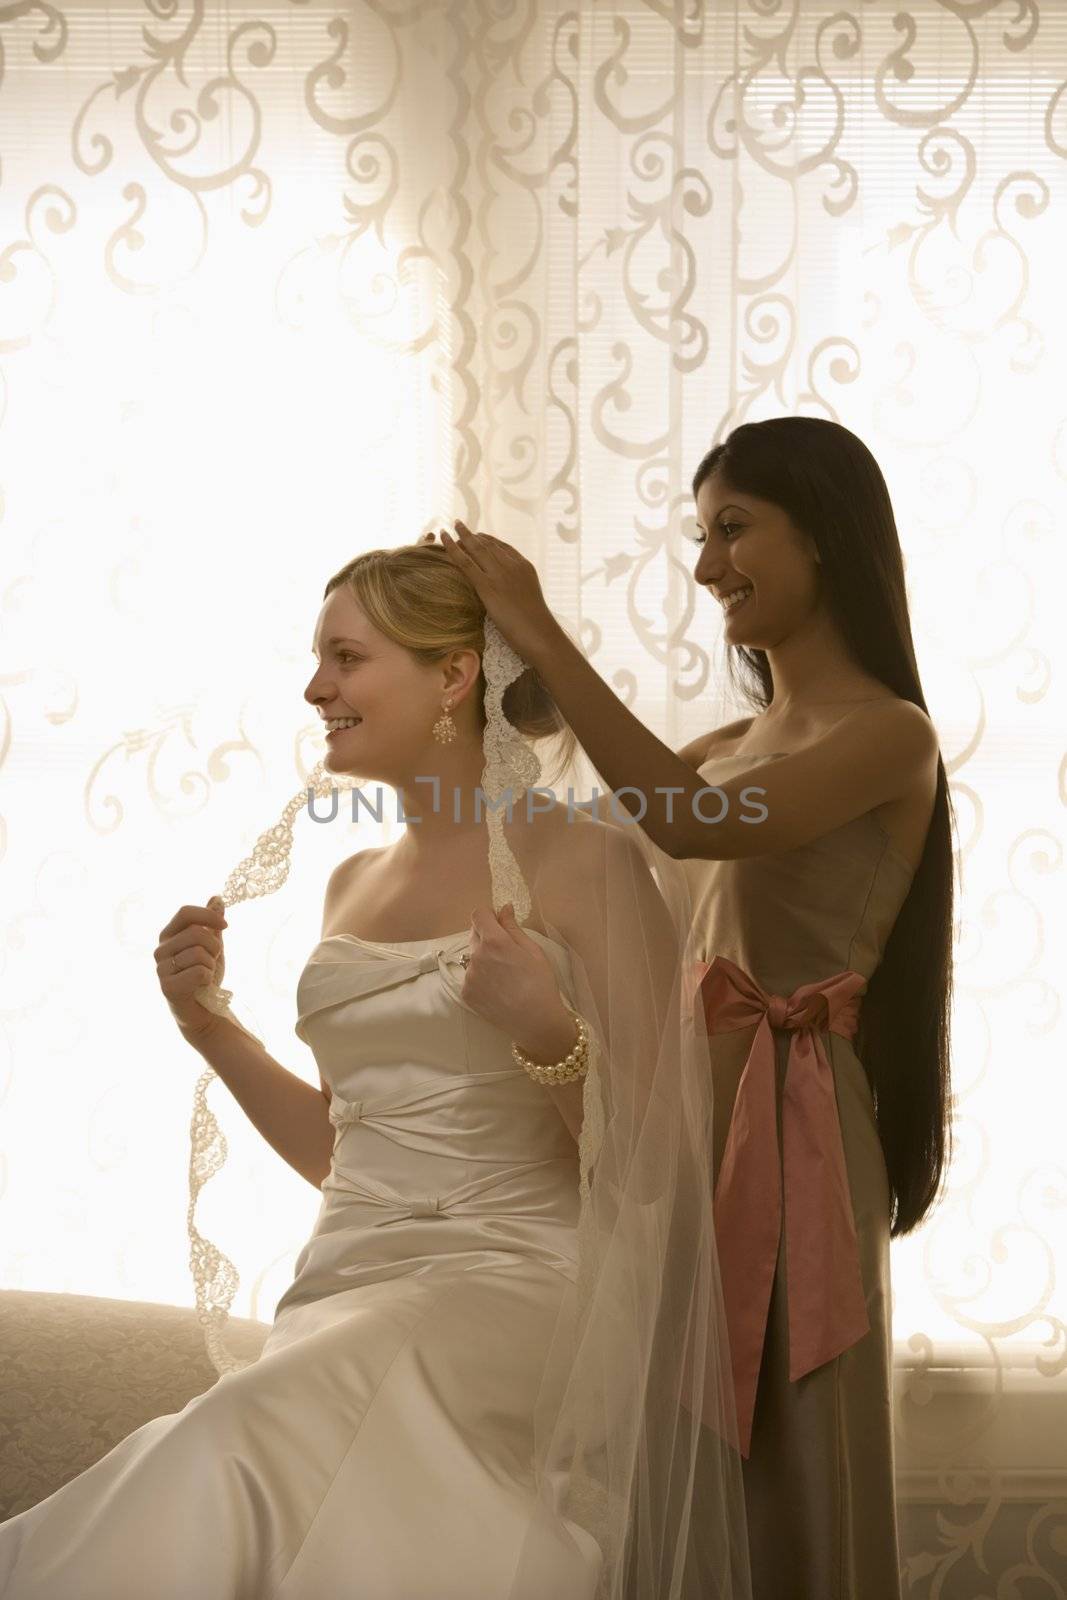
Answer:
(418, 599)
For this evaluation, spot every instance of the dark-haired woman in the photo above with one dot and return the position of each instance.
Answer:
(823, 881)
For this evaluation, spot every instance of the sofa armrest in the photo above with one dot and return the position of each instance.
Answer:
(80, 1372)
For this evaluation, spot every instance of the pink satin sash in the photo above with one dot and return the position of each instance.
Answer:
(824, 1285)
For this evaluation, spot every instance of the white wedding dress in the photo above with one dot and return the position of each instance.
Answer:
(380, 1448)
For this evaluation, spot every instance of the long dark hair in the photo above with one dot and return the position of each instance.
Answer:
(831, 488)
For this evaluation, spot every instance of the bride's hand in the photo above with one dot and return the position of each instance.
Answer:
(509, 588)
(189, 956)
(511, 983)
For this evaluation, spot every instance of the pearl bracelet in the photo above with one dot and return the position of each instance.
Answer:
(574, 1065)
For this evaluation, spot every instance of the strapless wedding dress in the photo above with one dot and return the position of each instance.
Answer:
(380, 1448)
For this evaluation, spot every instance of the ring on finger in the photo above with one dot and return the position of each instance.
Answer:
(173, 965)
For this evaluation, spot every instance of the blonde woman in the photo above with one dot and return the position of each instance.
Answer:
(501, 1344)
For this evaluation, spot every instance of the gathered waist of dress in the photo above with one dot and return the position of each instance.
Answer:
(428, 1187)
(368, 1231)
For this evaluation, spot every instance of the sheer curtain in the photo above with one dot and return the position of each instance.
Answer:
(284, 281)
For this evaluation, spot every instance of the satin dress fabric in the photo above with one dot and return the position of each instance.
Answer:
(819, 1473)
(380, 1448)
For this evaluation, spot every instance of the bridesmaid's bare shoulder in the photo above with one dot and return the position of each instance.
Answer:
(706, 745)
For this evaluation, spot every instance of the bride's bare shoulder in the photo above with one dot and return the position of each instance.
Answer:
(571, 848)
(590, 874)
(345, 874)
(347, 869)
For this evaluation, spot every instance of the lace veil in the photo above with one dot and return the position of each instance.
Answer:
(635, 1461)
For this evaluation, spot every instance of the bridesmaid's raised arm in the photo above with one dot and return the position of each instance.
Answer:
(870, 757)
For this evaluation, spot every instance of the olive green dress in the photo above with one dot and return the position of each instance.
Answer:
(819, 1475)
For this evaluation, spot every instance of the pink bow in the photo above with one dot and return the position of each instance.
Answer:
(824, 1285)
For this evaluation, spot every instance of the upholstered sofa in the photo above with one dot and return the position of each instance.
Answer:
(79, 1373)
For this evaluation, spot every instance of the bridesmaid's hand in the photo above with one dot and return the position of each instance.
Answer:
(509, 589)
(511, 983)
